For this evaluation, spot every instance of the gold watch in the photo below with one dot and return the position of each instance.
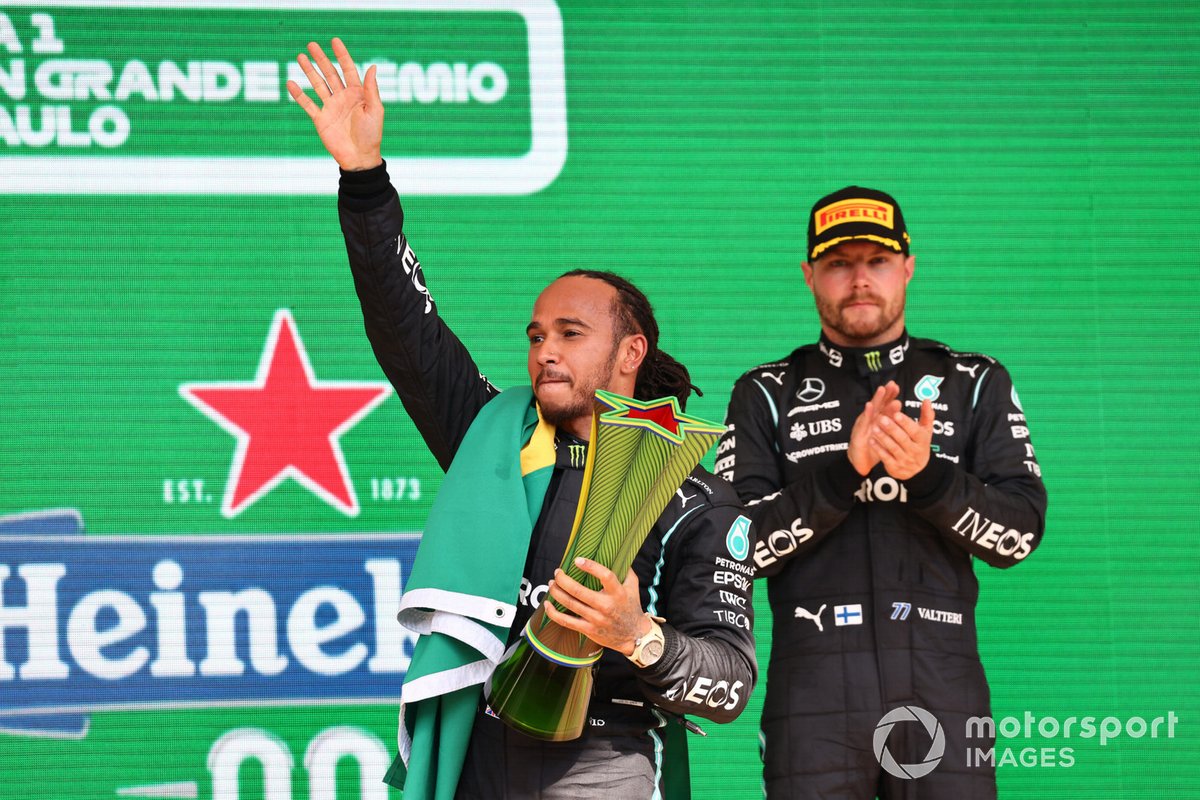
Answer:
(648, 649)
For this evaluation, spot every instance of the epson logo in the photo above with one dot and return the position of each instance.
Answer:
(123, 622)
(724, 577)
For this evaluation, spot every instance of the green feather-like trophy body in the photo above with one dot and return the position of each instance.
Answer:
(640, 454)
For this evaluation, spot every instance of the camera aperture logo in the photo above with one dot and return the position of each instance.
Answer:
(937, 747)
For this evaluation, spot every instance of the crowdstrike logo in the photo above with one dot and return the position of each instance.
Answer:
(937, 748)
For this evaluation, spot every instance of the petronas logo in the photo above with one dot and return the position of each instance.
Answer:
(873, 361)
(927, 388)
(578, 453)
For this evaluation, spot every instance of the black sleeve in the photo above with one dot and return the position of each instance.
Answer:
(994, 504)
(435, 377)
(708, 668)
(789, 519)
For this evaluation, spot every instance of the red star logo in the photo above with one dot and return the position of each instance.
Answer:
(662, 412)
(661, 416)
(287, 423)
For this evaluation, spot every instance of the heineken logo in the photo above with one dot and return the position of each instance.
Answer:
(99, 623)
(104, 109)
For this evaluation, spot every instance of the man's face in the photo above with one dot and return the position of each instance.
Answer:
(571, 348)
(859, 287)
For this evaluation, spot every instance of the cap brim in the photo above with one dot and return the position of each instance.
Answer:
(865, 236)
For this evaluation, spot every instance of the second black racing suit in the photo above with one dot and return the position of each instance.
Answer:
(870, 579)
(694, 568)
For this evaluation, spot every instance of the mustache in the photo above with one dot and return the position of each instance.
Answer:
(859, 298)
(551, 374)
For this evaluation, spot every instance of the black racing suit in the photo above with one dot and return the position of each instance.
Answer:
(695, 568)
(870, 580)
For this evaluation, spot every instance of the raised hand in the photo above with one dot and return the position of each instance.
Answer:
(902, 442)
(884, 402)
(349, 119)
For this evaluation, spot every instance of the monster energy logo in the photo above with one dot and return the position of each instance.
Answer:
(578, 453)
(873, 361)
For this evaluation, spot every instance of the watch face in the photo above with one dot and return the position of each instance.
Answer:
(652, 652)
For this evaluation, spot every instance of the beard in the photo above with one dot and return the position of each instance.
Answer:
(859, 328)
(582, 397)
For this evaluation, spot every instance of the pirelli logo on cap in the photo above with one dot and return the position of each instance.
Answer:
(855, 210)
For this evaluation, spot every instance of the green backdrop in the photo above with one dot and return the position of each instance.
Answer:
(168, 223)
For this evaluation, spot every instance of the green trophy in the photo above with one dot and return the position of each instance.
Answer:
(640, 453)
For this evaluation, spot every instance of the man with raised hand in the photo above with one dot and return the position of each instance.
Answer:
(877, 467)
(676, 642)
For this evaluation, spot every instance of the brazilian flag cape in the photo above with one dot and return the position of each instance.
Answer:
(461, 594)
(460, 597)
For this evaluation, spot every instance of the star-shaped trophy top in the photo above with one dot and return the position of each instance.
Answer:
(661, 417)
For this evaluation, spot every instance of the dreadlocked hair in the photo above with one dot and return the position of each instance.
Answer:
(660, 375)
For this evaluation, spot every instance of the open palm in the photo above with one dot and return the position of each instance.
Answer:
(349, 119)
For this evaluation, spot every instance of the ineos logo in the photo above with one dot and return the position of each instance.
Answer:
(811, 391)
(780, 543)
